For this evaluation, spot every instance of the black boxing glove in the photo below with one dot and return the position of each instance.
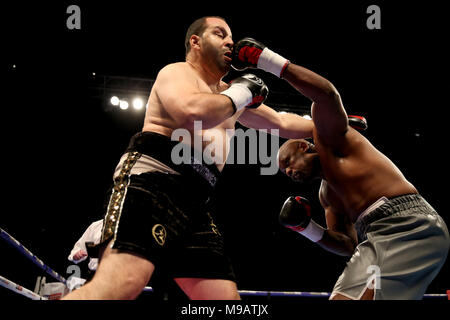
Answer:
(357, 122)
(296, 215)
(247, 91)
(249, 53)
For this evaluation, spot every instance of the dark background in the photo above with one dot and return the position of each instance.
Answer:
(60, 141)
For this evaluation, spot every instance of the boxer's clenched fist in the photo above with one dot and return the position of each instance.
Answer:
(249, 53)
(247, 91)
(296, 215)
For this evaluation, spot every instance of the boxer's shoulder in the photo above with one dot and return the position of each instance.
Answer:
(178, 74)
(352, 143)
(175, 69)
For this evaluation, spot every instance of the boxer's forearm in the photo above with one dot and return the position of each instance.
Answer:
(310, 84)
(337, 242)
(290, 125)
(295, 127)
(210, 109)
(328, 113)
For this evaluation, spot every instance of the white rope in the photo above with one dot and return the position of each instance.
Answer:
(8, 284)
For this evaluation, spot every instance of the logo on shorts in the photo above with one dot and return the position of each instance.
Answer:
(373, 282)
(159, 233)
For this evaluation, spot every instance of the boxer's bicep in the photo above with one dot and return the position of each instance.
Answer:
(330, 121)
(181, 95)
(175, 88)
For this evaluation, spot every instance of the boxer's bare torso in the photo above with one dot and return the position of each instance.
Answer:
(159, 120)
(357, 175)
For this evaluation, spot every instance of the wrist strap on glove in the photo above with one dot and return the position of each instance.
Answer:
(313, 231)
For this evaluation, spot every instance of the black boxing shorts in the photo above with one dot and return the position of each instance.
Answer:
(158, 209)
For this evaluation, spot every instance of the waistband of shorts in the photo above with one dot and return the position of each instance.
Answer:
(393, 205)
(160, 147)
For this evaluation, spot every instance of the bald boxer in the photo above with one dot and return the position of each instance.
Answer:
(157, 217)
(396, 240)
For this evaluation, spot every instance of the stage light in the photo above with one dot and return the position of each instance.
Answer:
(123, 104)
(138, 103)
(115, 101)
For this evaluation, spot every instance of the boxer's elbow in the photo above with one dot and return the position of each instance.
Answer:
(350, 248)
(338, 243)
(190, 111)
(197, 119)
(348, 245)
(328, 94)
(345, 250)
(209, 109)
(189, 118)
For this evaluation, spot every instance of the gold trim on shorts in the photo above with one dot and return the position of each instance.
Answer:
(114, 211)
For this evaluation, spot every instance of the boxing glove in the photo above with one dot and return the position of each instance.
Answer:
(357, 122)
(296, 215)
(247, 91)
(249, 53)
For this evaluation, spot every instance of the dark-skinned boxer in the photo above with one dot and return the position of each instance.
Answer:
(373, 213)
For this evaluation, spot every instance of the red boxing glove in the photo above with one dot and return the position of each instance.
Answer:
(249, 53)
(357, 122)
(296, 215)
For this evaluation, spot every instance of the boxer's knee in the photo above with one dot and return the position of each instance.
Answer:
(210, 289)
(120, 275)
(124, 273)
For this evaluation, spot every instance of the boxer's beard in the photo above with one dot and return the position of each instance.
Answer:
(216, 58)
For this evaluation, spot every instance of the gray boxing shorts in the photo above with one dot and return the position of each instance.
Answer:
(402, 246)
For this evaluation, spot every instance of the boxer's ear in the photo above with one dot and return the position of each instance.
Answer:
(303, 145)
(194, 41)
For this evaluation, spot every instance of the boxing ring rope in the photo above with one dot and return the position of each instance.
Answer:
(27, 253)
(8, 284)
(29, 294)
(279, 293)
(284, 294)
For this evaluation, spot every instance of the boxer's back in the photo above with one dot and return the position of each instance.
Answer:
(359, 174)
